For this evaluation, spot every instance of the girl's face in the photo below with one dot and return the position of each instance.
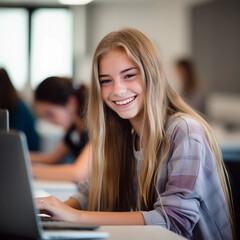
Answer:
(56, 114)
(121, 85)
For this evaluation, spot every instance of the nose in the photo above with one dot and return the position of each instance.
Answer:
(119, 88)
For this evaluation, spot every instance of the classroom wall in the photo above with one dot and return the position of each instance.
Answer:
(216, 48)
(166, 22)
(171, 26)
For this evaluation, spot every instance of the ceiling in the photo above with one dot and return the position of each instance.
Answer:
(55, 2)
(41, 2)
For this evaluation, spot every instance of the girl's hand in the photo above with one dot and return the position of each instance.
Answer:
(56, 209)
(61, 211)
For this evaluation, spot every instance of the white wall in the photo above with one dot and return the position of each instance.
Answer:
(165, 22)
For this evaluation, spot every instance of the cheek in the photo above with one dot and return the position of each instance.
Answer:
(105, 96)
(105, 93)
(59, 116)
(138, 87)
(53, 118)
(140, 91)
(62, 119)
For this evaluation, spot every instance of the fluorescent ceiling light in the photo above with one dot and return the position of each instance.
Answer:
(75, 2)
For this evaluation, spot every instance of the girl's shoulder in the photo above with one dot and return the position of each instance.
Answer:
(184, 127)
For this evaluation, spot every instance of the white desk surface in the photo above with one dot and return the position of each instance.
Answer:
(60, 189)
(56, 185)
(63, 190)
(139, 233)
(228, 140)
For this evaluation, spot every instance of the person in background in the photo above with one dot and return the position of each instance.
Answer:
(191, 87)
(20, 116)
(155, 160)
(64, 103)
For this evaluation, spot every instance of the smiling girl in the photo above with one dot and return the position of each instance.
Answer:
(155, 161)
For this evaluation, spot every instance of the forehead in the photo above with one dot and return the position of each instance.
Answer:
(115, 59)
(41, 105)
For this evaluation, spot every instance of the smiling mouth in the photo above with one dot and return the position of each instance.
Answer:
(125, 101)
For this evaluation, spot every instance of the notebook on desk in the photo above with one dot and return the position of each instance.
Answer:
(18, 215)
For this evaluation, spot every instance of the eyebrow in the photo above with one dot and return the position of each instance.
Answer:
(123, 71)
(128, 69)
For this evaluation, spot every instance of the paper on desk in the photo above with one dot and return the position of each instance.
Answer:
(40, 193)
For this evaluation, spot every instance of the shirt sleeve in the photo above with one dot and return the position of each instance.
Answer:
(82, 196)
(177, 208)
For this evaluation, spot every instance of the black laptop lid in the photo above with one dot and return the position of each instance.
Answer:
(4, 120)
(18, 215)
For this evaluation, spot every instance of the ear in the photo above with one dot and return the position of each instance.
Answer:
(72, 102)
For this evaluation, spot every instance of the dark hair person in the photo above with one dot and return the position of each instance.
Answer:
(191, 87)
(20, 116)
(62, 102)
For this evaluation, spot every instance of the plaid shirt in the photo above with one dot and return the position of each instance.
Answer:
(189, 186)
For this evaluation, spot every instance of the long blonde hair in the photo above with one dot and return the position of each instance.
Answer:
(113, 161)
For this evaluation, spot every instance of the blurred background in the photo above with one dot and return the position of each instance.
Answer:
(41, 38)
(198, 40)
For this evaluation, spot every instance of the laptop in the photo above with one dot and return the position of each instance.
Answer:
(4, 120)
(18, 214)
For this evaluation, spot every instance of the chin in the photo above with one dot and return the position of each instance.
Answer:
(126, 116)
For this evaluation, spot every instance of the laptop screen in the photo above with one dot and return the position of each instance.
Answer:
(18, 213)
(4, 120)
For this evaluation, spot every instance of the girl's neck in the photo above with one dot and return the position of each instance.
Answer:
(136, 125)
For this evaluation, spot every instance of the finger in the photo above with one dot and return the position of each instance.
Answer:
(41, 202)
(43, 211)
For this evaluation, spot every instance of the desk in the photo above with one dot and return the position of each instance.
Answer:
(228, 140)
(60, 189)
(139, 233)
(131, 233)
(63, 190)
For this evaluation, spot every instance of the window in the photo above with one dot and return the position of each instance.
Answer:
(14, 44)
(51, 41)
(33, 53)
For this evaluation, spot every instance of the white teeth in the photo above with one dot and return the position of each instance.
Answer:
(124, 101)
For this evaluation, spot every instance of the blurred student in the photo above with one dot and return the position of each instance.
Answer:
(20, 116)
(155, 160)
(191, 88)
(61, 102)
